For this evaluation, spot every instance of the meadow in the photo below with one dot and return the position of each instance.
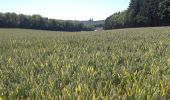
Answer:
(104, 65)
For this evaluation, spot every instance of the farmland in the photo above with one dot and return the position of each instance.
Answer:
(116, 64)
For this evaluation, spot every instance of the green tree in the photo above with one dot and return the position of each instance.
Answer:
(164, 12)
(117, 20)
(38, 22)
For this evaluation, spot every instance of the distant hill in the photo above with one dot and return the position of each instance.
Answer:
(99, 23)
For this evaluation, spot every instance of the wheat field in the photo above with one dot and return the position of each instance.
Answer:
(104, 65)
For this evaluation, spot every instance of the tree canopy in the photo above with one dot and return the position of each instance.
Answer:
(141, 13)
(12, 20)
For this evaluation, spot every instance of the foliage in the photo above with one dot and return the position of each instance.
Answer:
(119, 64)
(164, 12)
(117, 20)
(12, 20)
(142, 13)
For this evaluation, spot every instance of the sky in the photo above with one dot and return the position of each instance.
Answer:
(65, 9)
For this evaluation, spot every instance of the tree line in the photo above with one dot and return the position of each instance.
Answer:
(141, 13)
(13, 20)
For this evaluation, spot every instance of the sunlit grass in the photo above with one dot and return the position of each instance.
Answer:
(115, 64)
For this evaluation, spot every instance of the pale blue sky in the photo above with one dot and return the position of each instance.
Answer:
(65, 9)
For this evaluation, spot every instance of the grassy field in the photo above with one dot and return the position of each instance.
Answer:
(105, 65)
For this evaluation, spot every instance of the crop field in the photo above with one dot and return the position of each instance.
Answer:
(104, 65)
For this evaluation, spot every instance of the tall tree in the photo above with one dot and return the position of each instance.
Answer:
(164, 12)
(38, 22)
(141, 13)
